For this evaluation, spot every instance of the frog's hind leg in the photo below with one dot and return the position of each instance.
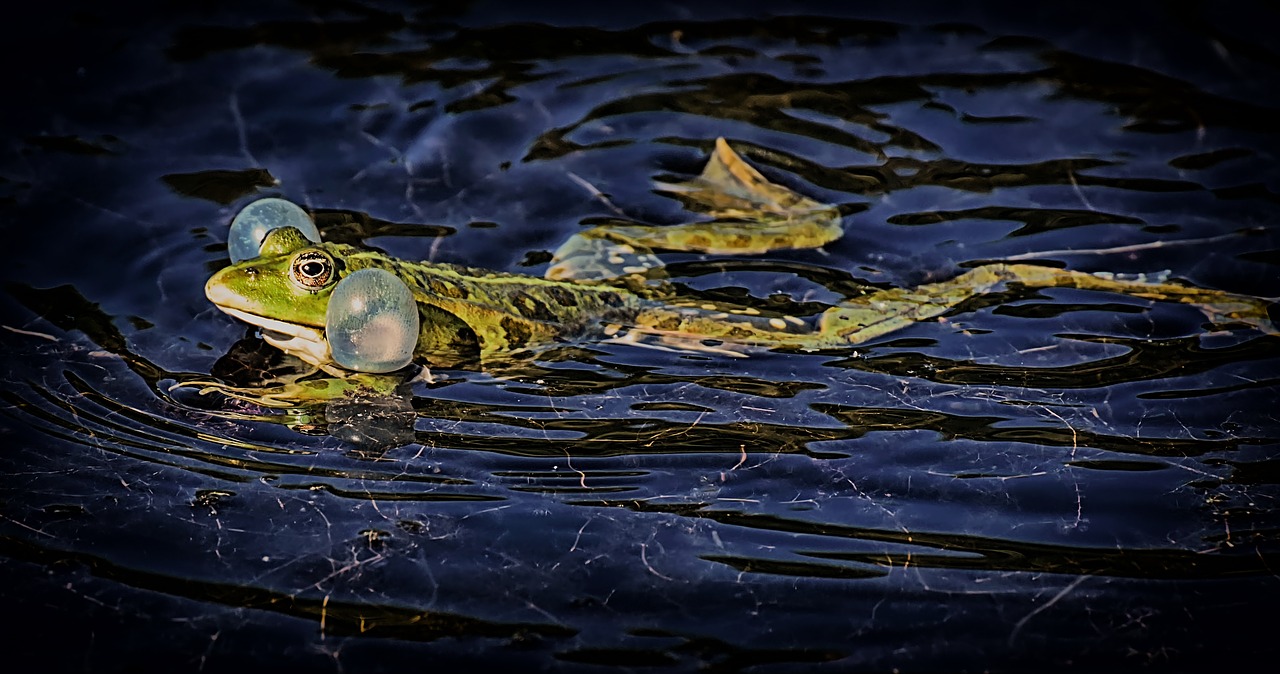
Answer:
(750, 215)
(860, 319)
(721, 328)
(1220, 307)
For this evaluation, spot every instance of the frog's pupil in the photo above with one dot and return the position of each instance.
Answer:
(312, 269)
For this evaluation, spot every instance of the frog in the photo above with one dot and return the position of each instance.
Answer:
(607, 283)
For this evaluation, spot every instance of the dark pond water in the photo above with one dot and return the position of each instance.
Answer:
(1048, 479)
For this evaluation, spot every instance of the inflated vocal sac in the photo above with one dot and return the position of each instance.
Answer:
(372, 322)
(252, 224)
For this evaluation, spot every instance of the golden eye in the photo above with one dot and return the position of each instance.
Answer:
(312, 269)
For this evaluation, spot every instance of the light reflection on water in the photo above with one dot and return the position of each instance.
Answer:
(1058, 477)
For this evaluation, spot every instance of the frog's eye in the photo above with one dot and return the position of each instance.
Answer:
(311, 269)
(252, 224)
(372, 322)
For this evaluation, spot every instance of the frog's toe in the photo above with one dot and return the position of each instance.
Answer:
(1260, 314)
(1268, 325)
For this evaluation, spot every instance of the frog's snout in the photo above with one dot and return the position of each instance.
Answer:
(216, 290)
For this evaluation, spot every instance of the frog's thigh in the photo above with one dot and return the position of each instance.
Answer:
(601, 253)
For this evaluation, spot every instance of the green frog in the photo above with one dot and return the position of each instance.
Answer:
(606, 283)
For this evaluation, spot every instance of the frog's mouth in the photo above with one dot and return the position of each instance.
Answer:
(305, 342)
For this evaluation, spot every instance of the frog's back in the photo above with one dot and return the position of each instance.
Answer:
(500, 311)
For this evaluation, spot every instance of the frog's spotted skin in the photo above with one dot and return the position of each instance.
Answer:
(605, 283)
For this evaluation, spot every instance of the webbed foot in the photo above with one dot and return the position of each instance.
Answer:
(751, 216)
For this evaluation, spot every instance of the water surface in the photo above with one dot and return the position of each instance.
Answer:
(1055, 479)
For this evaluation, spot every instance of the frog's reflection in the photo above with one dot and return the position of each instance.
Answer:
(370, 413)
(372, 422)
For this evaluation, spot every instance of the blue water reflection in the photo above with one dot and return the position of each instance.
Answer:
(1054, 480)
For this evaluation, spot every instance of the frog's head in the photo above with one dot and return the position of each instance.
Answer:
(285, 291)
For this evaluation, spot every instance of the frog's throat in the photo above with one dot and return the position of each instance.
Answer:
(302, 341)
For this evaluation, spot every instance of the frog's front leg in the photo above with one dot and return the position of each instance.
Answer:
(750, 216)
(860, 319)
